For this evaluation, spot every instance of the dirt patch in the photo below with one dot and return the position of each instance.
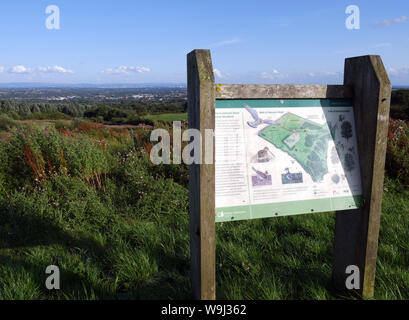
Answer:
(127, 126)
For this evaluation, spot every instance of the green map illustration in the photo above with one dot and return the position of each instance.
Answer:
(304, 140)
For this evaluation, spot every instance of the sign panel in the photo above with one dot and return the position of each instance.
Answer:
(283, 157)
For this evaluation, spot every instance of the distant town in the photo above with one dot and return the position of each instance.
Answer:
(99, 93)
(94, 94)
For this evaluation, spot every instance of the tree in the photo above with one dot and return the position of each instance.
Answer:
(349, 163)
(400, 98)
(346, 130)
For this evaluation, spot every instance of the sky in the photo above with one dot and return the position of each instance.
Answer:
(138, 41)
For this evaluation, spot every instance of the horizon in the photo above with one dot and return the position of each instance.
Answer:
(39, 85)
(137, 43)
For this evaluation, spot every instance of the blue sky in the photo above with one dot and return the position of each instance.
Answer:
(259, 41)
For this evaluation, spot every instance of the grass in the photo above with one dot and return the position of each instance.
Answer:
(291, 257)
(168, 117)
(146, 256)
(127, 236)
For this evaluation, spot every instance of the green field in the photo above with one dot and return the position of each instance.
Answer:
(168, 117)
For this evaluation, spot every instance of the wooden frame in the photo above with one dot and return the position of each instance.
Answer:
(356, 231)
(278, 91)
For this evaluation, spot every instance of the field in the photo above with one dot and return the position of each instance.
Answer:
(86, 198)
(167, 117)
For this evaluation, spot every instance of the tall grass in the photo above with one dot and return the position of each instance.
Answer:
(87, 199)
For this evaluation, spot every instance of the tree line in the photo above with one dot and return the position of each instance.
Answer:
(21, 110)
(400, 104)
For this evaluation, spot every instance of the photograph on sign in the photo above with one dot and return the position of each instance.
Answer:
(282, 157)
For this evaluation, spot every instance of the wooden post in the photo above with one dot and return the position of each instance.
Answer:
(357, 231)
(201, 116)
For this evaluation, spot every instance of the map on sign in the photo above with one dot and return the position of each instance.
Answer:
(282, 157)
(306, 141)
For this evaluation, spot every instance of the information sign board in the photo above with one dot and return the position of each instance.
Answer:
(282, 157)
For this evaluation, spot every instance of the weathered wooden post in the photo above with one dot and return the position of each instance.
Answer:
(356, 231)
(201, 116)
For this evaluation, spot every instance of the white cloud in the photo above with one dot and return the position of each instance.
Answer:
(383, 44)
(219, 74)
(54, 69)
(285, 77)
(226, 42)
(399, 75)
(1, 69)
(389, 22)
(324, 75)
(19, 69)
(125, 70)
(333, 73)
(399, 71)
(267, 75)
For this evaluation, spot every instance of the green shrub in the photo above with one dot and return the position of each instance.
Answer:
(77, 122)
(112, 115)
(400, 104)
(34, 155)
(49, 115)
(59, 125)
(6, 123)
(397, 156)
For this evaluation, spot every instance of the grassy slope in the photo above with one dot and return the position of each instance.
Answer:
(108, 246)
(146, 256)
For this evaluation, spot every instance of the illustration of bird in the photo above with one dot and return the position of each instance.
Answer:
(288, 174)
(257, 120)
